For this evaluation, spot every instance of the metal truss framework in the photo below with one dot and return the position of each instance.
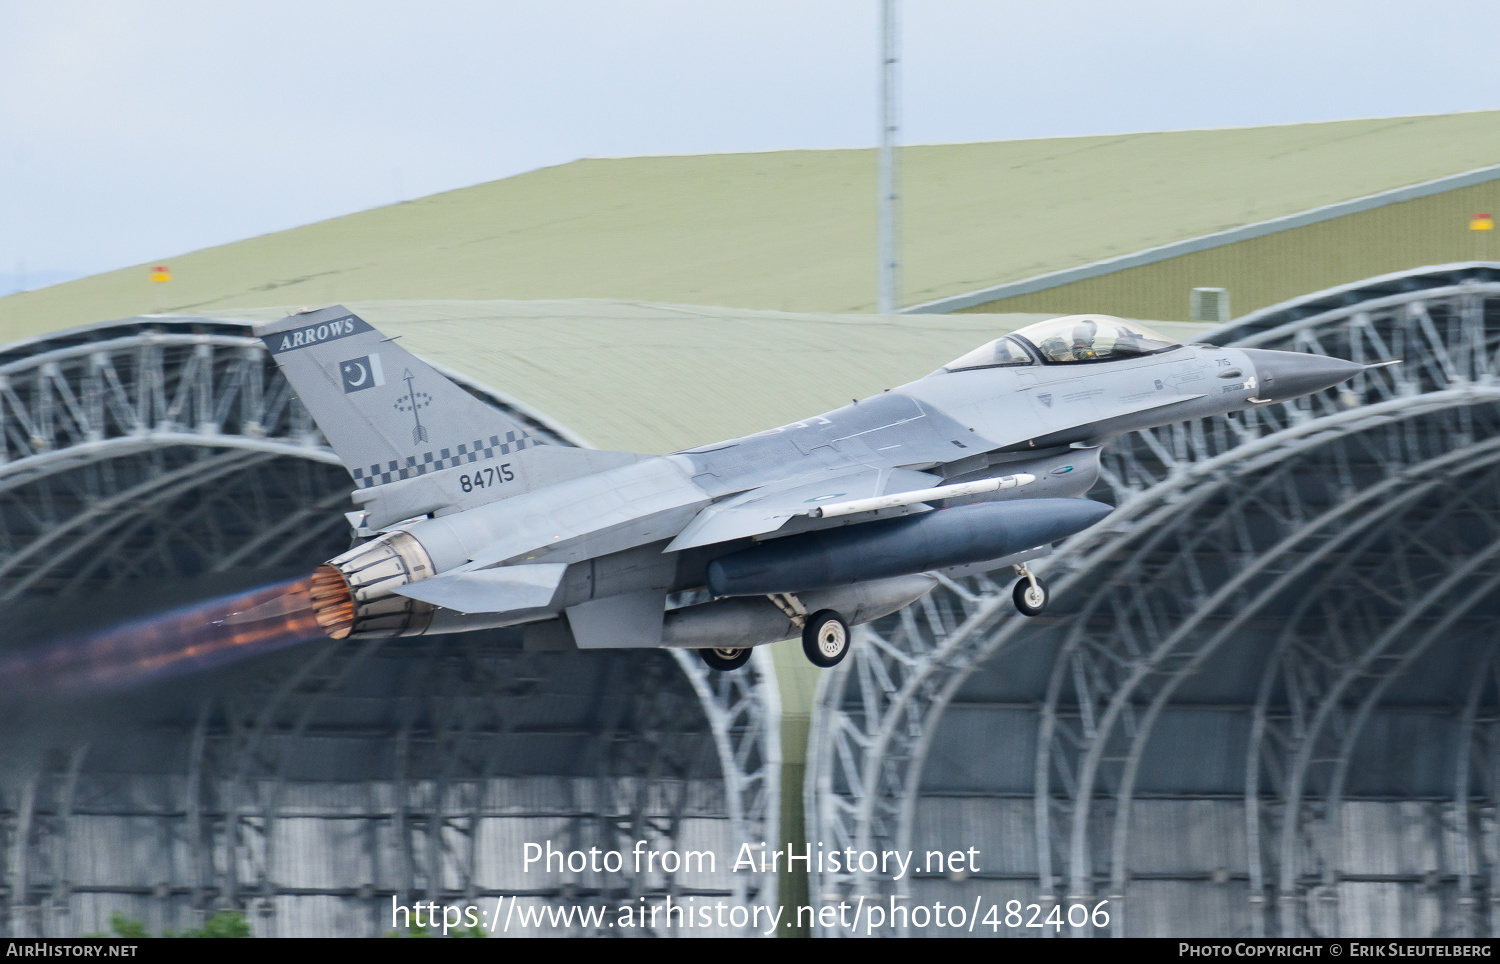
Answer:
(1219, 522)
(419, 833)
(160, 448)
(167, 448)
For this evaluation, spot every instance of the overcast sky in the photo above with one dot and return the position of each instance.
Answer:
(131, 131)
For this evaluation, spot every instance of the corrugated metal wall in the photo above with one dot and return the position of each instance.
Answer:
(338, 860)
(1189, 874)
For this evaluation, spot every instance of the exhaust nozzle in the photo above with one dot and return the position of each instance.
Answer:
(354, 594)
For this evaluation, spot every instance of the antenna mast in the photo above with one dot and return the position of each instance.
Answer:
(886, 296)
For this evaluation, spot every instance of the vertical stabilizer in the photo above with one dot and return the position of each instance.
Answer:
(387, 414)
(390, 417)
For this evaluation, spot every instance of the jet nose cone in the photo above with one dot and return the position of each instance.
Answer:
(1283, 375)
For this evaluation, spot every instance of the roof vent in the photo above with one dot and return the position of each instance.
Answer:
(1209, 306)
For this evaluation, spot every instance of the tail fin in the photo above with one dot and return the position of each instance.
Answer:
(390, 417)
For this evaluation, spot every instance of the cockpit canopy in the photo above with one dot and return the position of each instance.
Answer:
(1067, 340)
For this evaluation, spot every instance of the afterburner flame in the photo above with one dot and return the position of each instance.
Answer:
(186, 640)
(333, 605)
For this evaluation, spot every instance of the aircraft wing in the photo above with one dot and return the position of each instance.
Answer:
(768, 507)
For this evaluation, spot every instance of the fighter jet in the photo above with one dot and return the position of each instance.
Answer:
(808, 528)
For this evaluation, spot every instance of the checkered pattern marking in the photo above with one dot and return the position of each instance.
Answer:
(475, 451)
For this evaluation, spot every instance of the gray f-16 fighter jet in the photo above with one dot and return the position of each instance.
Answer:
(810, 527)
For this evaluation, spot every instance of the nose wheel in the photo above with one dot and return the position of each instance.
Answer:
(1030, 593)
(725, 660)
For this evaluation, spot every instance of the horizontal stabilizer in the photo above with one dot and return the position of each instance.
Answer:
(501, 590)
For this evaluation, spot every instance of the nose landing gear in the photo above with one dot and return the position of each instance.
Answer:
(1030, 593)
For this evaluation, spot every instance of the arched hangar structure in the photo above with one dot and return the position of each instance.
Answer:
(312, 786)
(1266, 700)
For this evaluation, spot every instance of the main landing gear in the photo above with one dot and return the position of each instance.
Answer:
(725, 660)
(825, 637)
(1030, 593)
(825, 634)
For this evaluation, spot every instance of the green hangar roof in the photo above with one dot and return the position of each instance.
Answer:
(795, 230)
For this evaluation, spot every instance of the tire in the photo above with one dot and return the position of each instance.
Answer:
(825, 638)
(725, 660)
(1027, 603)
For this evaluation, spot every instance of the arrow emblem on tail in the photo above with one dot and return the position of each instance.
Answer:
(414, 400)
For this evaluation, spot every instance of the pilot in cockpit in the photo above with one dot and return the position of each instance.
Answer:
(1083, 340)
